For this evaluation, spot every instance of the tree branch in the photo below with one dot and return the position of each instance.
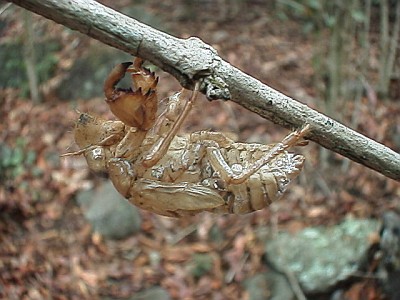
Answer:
(191, 59)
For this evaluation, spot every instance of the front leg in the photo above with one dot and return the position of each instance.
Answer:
(160, 147)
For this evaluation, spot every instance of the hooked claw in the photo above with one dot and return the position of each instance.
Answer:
(112, 80)
(135, 107)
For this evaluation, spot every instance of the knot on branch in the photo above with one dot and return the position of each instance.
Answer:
(215, 87)
(202, 66)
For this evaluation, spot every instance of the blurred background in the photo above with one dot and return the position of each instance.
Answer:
(66, 234)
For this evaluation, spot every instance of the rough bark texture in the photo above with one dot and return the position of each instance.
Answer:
(191, 59)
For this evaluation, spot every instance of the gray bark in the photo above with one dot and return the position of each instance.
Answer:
(191, 59)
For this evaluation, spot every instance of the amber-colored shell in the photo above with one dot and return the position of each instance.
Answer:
(135, 107)
(142, 78)
(90, 130)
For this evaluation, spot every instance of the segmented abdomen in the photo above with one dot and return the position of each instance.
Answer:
(264, 186)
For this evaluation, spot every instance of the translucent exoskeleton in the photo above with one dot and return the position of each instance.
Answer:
(176, 175)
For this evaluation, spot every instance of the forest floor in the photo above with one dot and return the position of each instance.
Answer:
(47, 248)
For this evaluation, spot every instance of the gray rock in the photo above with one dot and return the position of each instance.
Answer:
(108, 212)
(268, 285)
(321, 257)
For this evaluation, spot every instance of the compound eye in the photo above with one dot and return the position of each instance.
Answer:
(96, 160)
